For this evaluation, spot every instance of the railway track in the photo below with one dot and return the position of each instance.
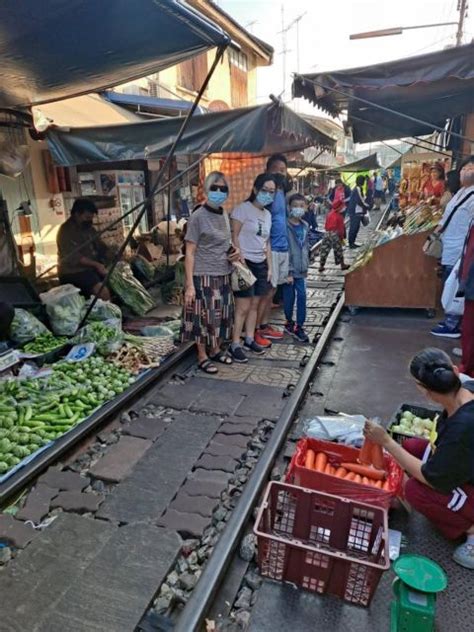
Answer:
(186, 454)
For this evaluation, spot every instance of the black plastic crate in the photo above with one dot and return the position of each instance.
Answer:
(418, 411)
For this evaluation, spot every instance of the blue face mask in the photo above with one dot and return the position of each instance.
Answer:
(217, 198)
(264, 198)
(297, 212)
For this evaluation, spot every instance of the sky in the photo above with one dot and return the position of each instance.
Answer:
(324, 34)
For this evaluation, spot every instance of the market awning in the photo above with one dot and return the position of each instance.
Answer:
(430, 87)
(261, 129)
(364, 164)
(146, 104)
(57, 49)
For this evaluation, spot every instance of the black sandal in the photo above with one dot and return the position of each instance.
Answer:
(207, 366)
(221, 357)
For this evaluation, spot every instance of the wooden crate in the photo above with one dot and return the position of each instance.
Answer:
(399, 274)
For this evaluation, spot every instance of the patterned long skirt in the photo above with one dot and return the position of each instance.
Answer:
(210, 319)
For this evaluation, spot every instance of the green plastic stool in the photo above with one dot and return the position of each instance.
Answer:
(418, 581)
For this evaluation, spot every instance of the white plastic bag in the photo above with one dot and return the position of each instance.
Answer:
(452, 304)
(64, 306)
(346, 429)
(25, 326)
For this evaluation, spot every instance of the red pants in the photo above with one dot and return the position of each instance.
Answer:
(467, 339)
(453, 513)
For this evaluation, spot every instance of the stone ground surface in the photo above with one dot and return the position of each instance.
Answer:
(122, 510)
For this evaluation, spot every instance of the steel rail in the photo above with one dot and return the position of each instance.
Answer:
(20, 479)
(197, 606)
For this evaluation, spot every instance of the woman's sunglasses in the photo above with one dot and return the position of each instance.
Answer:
(219, 187)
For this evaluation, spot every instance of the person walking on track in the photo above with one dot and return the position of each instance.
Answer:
(295, 288)
(441, 483)
(251, 225)
(208, 314)
(356, 209)
(334, 237)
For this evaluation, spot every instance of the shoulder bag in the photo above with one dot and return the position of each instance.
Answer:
(241, 277)
(433, 246)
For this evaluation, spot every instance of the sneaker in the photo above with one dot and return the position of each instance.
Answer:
(237, 354)
(354, 246)
(444, 332)
(300, 333)
(261, 341)
(255, 347)
(464, 555)
(345, 266)
(289, 328)
(457, 351)
(270, 333)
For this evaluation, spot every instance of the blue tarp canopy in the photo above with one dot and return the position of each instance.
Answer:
(263, 129)
(54, 49)
(144, 103)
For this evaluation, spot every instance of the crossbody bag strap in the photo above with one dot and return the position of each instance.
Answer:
(465, 199)
(227, 223)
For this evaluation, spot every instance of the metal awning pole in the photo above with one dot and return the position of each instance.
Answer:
(147, 202)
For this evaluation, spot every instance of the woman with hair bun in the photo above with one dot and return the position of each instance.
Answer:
(441, 486)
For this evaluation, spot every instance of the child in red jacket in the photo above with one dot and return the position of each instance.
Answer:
(335, 235)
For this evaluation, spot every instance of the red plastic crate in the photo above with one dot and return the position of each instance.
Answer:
(322, 543)
(337, 453)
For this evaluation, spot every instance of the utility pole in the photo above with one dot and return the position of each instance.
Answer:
(283, 48)
(463, 6)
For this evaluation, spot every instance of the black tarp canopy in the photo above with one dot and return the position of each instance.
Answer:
(364, 164)
(261, 129)
(54, 49)
(430, 87)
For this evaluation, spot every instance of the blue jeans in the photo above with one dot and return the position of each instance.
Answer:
(452, 321)
(291, 292)
(354, 227)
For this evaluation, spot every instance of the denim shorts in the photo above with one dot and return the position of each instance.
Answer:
(262, 286)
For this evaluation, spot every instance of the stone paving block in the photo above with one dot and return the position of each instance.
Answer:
(155, 480)
(37, 504)
(263, 402)
(15, 532)
(222, 463)
(77, 501)
(231, 440)
(210, 475)
(117, 586)
(217, 449)
(146, 428)
(235, 428)
(211, 489)
(186, 524)
(202, 395)
(204, 506)
(120, 459)
(63, 480)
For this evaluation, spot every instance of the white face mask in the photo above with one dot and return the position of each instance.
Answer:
(297, 212)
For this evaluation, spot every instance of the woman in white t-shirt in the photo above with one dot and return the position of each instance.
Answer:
(251, 224)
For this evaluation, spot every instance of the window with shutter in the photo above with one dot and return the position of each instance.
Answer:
(193, 72)
(238, 65)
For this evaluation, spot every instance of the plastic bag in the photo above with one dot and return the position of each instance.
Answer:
(107, 336)
(130, 290)
(347, 429)
(25, 326)
(65, 307)
(452, 304)
(103, 310)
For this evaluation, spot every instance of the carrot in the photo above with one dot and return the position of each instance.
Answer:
(386, 486)
(364, 470)
(365, 454)
(329, 469)
(377, 457)
(341, 472)
(378, 484)
(350, 477)
(309, 460)
(366, 481)
(320, 461)
(358, 478)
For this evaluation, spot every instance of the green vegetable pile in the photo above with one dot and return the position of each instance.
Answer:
(34, 412)
(130, 290)
(106, 336)
(44, 343)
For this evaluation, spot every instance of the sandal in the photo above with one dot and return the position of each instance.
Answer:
(221, 357)
(207, 366)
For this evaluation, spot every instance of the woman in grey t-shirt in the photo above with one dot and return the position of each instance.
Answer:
(208, 315)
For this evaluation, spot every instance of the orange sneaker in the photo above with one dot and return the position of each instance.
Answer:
(270, 333)
(261, 341)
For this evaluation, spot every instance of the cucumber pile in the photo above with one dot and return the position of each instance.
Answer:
(36, 411)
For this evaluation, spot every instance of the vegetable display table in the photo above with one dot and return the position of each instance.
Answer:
(398, 274)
